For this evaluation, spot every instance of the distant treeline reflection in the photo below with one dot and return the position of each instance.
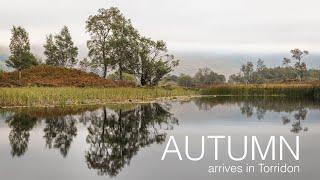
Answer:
(296, 109)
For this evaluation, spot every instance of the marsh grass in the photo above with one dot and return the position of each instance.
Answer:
(62, 96)
(289, 90)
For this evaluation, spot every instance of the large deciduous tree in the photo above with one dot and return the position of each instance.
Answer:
(154, 61)
(101, 28)
(60, 49)
(21, 57)
(115, 43)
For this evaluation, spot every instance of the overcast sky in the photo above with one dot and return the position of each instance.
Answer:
(231, 25)
(210, 26)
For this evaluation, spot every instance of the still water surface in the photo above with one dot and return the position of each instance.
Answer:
(127, 141)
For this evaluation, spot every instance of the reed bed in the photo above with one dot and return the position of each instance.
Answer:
(49, 96)
(290, 90)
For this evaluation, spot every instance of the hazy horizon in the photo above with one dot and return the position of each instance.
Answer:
(228, 63)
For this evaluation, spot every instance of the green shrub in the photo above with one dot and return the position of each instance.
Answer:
(125, 76)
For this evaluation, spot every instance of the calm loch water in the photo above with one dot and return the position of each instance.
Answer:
(127, 141)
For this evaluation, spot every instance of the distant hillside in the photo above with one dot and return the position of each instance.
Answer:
(52, 76)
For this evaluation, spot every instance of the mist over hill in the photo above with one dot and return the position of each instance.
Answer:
(2, 61)
(230, 63)
(226, 63)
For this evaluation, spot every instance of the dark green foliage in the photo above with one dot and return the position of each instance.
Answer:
(299, 66)
(115, 138)
(287, 73)
(204, 77)
(185, 81)
(20, 125)
(24, 61)
(21, 57)
(125, 76)
(59, 133)
(154, 61)
(115, 44)
(112, 40)
(60, 49)
(247, 71)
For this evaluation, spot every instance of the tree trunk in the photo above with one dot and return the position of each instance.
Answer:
(104, 122)
(143, 81)
(120, 74)
(120, 70)
(105, 71)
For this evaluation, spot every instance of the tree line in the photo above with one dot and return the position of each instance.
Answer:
(292, 69)
(115, 45)
(203, 77)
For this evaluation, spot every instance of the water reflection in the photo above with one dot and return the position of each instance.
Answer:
(296, 109)
(20, 125)
(115, 138)
(115, 135)
(299, 116)
(59, 133)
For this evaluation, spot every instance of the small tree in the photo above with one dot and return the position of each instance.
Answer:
(260, 65)
(126, 77)
(51, 51)
(21, 57)
(185, 80)
(60, 49)
(205, 76)
(236, 78)
(300, 66)
(154, 61)
(247, 70)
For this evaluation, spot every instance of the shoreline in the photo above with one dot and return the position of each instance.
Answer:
(25, 97)
(156, 100)
(137, 101)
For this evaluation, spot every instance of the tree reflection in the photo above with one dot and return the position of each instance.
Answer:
(247, 110)
(259, 106)
(60, 126)
(20, 124)
(299, 116)
(59, 133)
(115, 137)
(285, 120)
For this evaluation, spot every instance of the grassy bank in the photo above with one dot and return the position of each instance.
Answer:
(290, 90)
(42, 96)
